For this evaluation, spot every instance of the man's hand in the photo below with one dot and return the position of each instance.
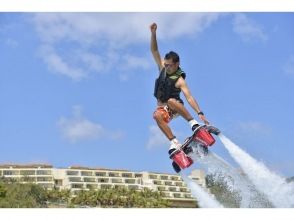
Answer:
(153, 28)
(202, 117)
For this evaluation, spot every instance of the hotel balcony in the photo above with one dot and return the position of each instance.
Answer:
(116, 180)
(75, 179)
(127, 175)
(89, 179)
(86, 173)
(100, 174)
(130, 181)
(103, 180)
(114, 174)
(72, 173)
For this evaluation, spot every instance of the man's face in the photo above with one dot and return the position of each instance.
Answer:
(170, 66)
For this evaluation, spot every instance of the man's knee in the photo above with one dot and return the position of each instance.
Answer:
(161, 115)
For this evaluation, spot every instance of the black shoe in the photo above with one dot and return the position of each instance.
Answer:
(213, 130)
(176, 167)
(170, 151)
(195, 127)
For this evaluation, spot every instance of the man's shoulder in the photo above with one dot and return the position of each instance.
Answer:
(181, 82)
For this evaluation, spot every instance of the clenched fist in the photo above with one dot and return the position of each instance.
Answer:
(153, 27)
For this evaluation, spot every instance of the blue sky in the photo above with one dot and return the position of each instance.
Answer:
(77, 88)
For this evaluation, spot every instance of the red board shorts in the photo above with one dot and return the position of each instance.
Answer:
(166, 113)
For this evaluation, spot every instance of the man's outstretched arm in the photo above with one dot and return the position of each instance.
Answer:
(154, 47)
(181, 83)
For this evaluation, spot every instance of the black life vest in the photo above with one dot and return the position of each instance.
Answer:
(165, 85)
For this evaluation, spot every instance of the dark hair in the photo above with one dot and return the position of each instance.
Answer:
(172, 55)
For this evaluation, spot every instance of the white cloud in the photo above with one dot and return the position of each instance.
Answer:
(157, 138)
(58, 65)
(79, 128)
(118, 28)
(100, 41)
(247, 28)
(93, 61)
(133, 62)
(289, 67)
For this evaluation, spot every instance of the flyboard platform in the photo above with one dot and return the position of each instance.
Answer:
(197, 143)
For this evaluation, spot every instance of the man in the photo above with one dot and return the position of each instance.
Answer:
(168, 86)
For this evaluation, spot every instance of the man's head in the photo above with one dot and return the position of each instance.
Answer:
(171, 62)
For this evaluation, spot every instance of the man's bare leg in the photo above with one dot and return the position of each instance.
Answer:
(178, 107)
(163, 126)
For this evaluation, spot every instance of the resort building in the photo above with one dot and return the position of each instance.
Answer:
(78, 178)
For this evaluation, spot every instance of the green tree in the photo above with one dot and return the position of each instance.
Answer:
(14, 194)
(59, 197)
(2, 190)
(219, 187)
(121, 197)
(17, 195)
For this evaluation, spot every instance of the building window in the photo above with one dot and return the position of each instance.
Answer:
(91, 186)
(183, 190)
(113, 174)
(173, 189)
(103, 180)
(188, 196)
(130, 181)
(44, 172)
(86, 173)
(75, 179)
(160, 188)
(58, 182)
(179, 184)
(100, 174)
(10, 172)
(28, 179)
(138, 175)
(127, 175)
(167, 195)
(157, 182)
(27, 172)
(116, 180)
(177, 195)
(164, 177)
(89, 179)
(72, 173)
(44, 179)
(152, 176)
(175, 178)
(168, 183)
(77, 186)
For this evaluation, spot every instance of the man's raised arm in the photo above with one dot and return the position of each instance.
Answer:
(154, 47)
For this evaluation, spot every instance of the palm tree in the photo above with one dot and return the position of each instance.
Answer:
(120, 197)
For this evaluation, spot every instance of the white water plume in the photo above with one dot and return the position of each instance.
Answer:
(205, 200)
(278, 191)
(237, 182)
